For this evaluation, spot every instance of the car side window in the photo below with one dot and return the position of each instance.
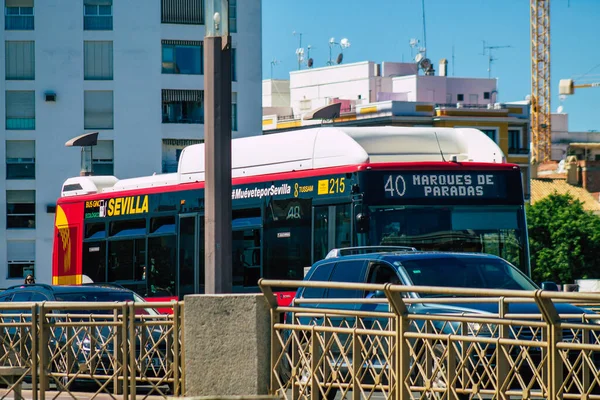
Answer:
(38, 297)
(6, 297)
(22, 296)
(321, 273)
(352, 271)
(380, 273)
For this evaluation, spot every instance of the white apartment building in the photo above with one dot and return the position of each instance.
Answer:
(585, 145)
(131, 70)
(369, 82)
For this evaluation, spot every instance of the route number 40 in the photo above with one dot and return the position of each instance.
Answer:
(395, 185)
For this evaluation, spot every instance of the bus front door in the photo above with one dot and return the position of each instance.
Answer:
(332, 228)
(191, 254)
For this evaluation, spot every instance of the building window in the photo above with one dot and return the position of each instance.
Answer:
(98, 60)
(20, 258)
(97, 15)
(103, 158)
(233, 64)
(182, 12)
(234, 118)
(514, 142)
(486, 95)
(460, 97)
(98, 109)
(171, 151)
(233, 16)
(20, 60)
(491, 133)
(20, 209)
(20, 110)
(18, 15)
(182, 57)
(182, 106)
(20, 159)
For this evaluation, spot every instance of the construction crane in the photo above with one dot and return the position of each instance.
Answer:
(540, 80)
(568, 86)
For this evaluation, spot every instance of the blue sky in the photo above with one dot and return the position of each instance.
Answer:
(381, 30)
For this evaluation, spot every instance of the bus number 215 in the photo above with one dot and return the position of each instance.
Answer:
(395, 186)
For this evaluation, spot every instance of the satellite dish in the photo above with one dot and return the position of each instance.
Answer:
(339, 59)
(560, 109)
(425, 64)
(310, 62)
(331, 40)
(418, 57)
(345, 43)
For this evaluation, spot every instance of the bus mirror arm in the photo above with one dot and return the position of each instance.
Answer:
(362, 223)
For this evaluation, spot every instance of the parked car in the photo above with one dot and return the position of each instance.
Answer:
(91, 349)
(406, 266)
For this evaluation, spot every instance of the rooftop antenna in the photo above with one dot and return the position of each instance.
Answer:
(413, 43)
(274, 62)
(344, 44)
(491, 57)
(452, 60)
(424, 30)
(299, 49)
(309, 61)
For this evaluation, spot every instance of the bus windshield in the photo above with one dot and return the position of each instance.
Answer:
(485, 229)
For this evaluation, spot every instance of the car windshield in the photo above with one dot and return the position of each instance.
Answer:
(465, 272)
(105, 296)
(91, 296)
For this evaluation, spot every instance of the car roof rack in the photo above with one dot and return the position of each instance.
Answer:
(104, 285)
(367, 249)
(39, 285)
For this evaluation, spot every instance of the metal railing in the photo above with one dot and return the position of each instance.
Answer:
(432, 345)
(115, 348)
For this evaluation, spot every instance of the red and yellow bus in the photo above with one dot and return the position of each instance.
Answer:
(296, 195)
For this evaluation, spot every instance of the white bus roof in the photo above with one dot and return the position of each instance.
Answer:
(314, 148)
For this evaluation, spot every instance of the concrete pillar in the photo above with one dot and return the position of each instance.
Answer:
(227, 345)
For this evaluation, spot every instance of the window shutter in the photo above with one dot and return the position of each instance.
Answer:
(19, 3)
(20, 250)
(98, 2)
(98, 60)
(20, 196)
(20, 104)
(20, 149)
(182, 11)
(20, 60)
(98, 109)
(177, 95)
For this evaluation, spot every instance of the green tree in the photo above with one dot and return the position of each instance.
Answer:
(564, 240)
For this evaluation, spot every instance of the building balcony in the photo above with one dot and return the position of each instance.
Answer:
(98, 23)
(20, 170)
(18, 22)
(20, 124)
(518, 151)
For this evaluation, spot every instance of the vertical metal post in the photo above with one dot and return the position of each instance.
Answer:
(217, 192)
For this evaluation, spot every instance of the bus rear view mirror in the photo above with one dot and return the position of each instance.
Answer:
(362, 223)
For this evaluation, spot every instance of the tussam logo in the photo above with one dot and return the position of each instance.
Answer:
(260, 192)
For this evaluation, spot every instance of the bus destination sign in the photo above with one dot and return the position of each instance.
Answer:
(482, 185)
